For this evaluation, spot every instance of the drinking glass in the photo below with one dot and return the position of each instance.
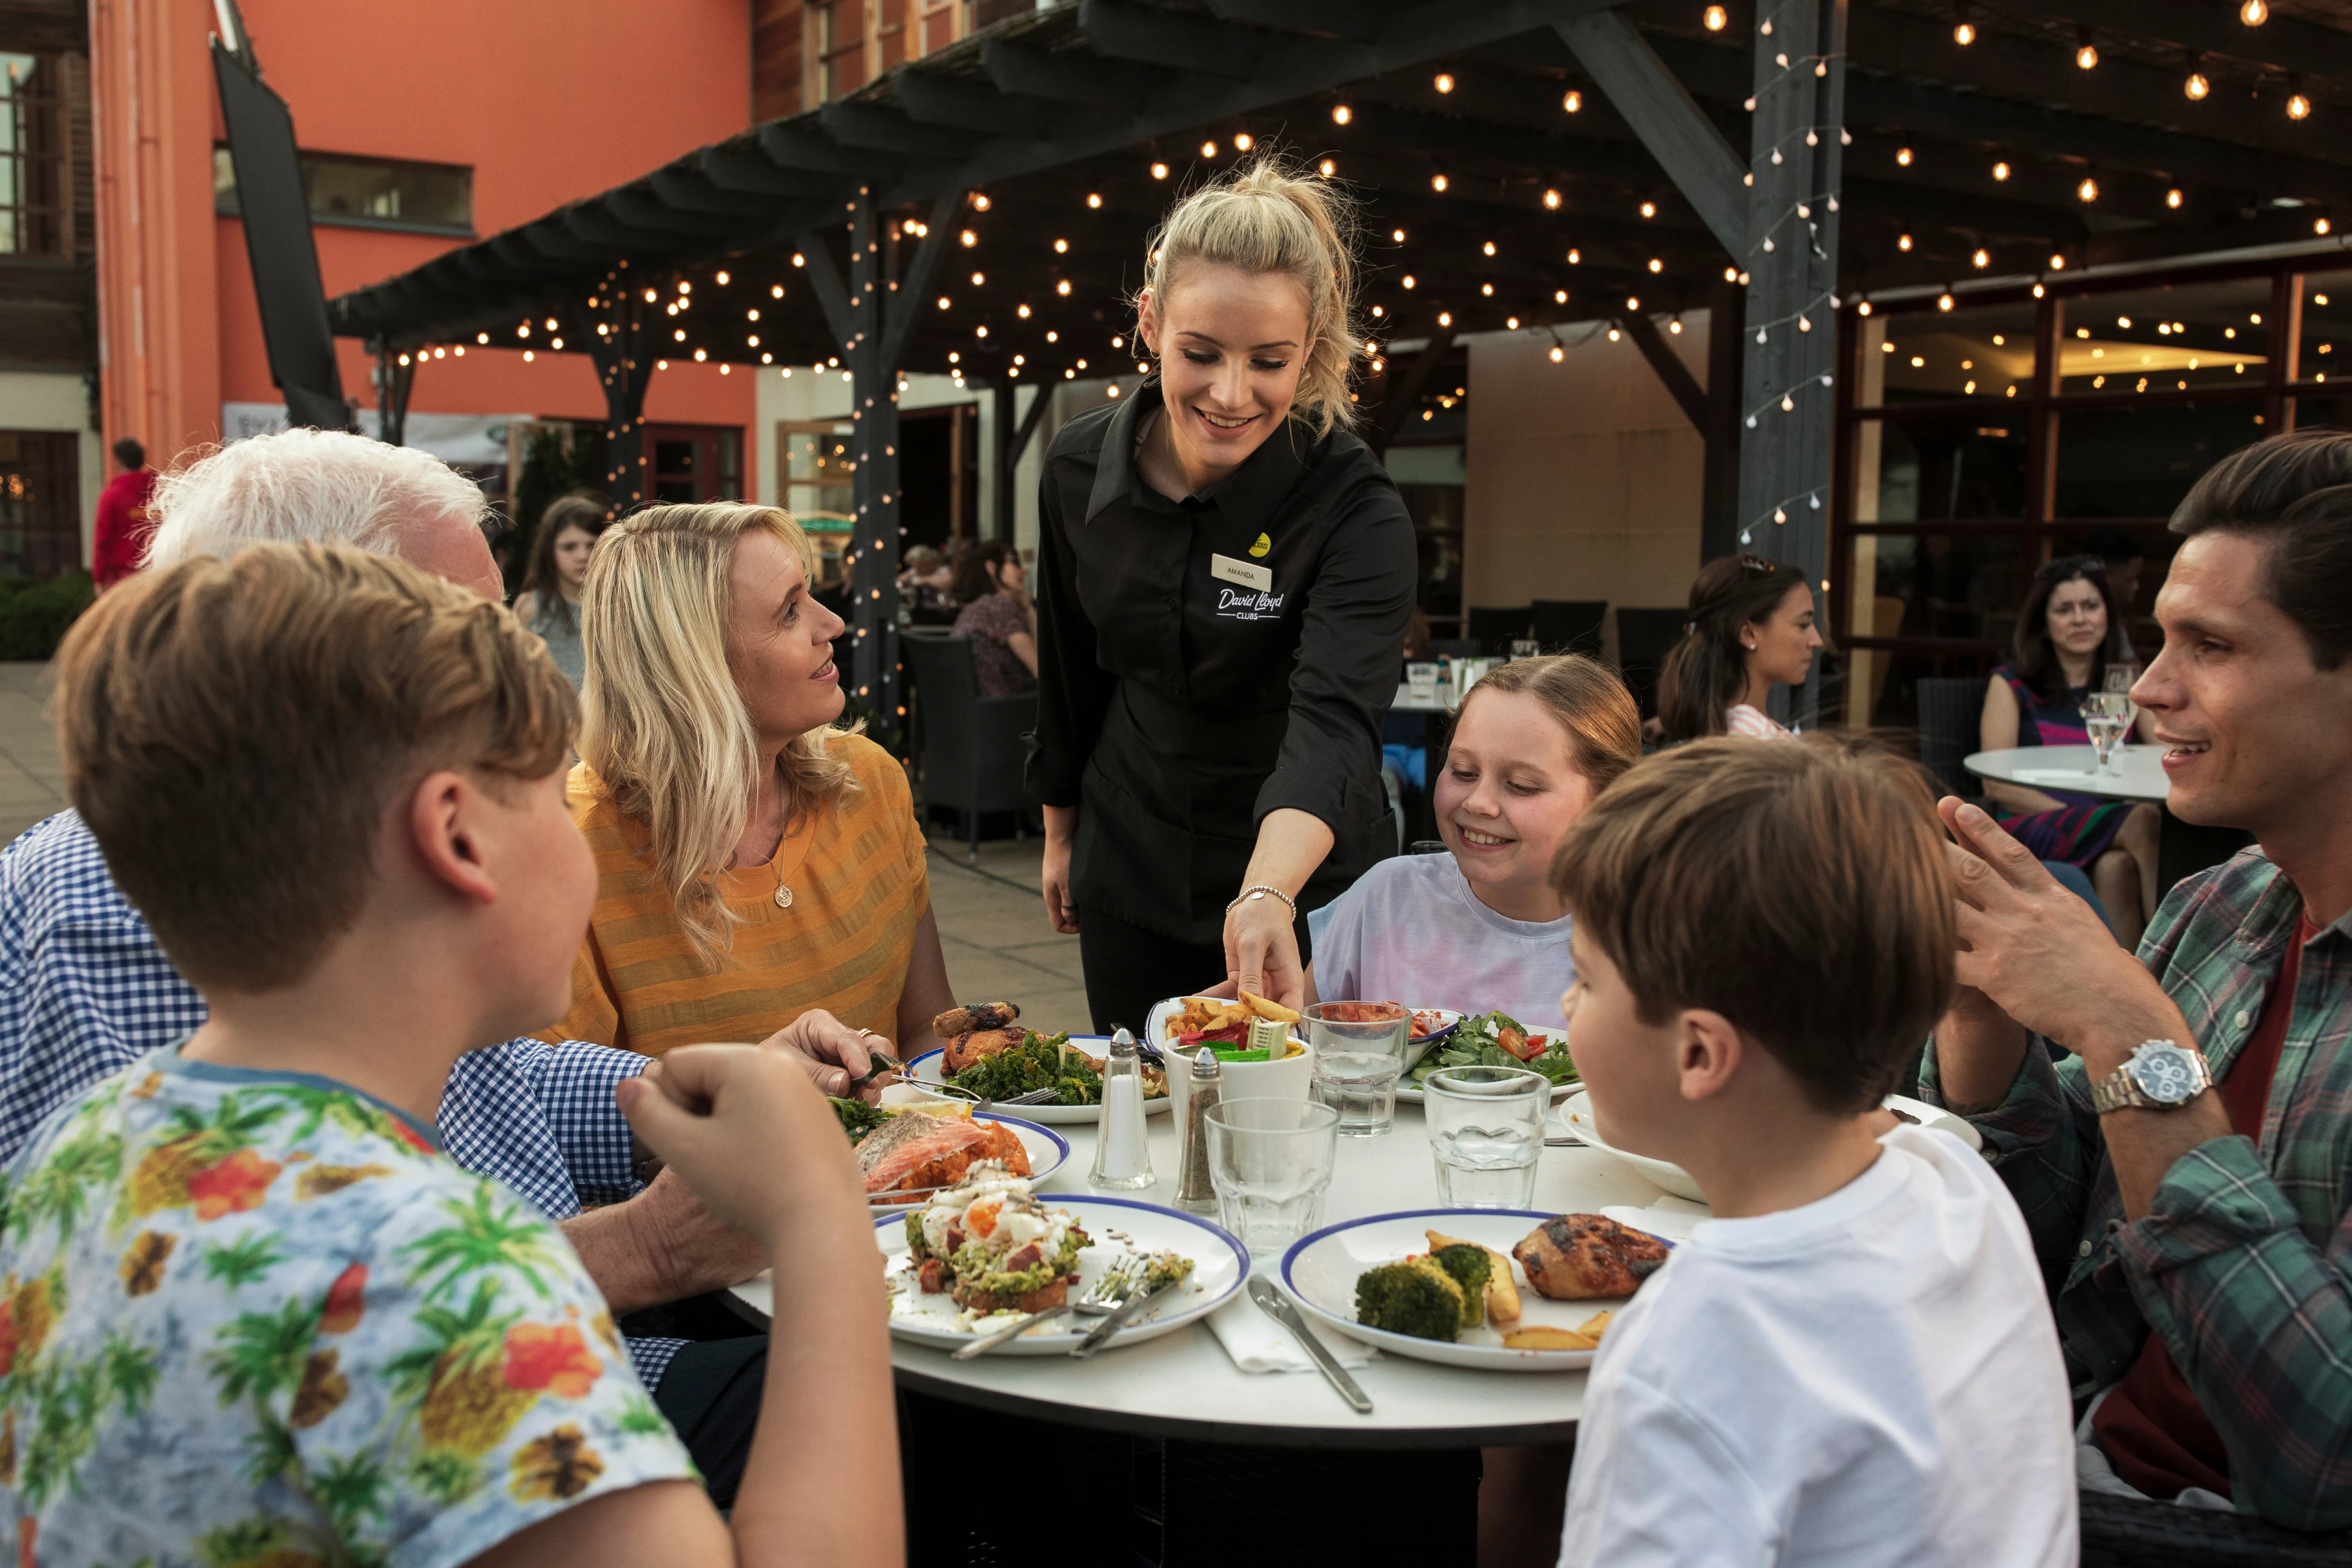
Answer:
(1525, 647)
(1359, 1055)
(1270, 1161)
(1485, 1129)
(1421, 680)
(2121, 675)
(2108, 717)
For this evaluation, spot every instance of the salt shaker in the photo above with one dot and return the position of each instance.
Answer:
(1122, 1158)
(1195, 1190)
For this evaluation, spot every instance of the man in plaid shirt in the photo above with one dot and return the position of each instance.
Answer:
(2199, 1251)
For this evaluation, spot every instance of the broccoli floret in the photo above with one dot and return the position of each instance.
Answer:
(917, 1247)
(1415, 1297)
(1469, 1267)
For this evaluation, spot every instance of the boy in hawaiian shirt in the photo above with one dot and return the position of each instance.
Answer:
(249, 1311)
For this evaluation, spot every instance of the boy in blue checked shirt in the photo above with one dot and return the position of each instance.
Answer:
(247, 1309)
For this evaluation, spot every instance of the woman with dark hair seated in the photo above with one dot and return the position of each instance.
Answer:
(1751, 628)
(2067, 636)
(993, 586)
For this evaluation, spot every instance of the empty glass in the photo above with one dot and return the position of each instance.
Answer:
(1421, 680)
(1270, 1161)
(2108, 717)
(1485, 1129)
(1359, 1055)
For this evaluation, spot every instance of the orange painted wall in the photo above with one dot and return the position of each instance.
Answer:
(546, 101)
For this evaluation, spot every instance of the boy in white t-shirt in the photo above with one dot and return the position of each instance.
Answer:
(1853, 1361)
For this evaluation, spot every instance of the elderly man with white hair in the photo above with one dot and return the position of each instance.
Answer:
(85, 989)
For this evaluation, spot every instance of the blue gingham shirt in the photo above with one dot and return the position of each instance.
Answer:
(85, 992)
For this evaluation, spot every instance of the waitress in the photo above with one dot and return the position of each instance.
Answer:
(1224, 578)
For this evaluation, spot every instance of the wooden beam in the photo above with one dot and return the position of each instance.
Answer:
(1164, 38)
(1402, 395)
(824, 282)
(1670, 124)
(901, 315)
(1679, 382)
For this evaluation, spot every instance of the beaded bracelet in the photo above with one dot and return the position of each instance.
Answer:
(1259, 891)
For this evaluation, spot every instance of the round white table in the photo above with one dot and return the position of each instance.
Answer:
(2139, 770)
(1184, 1384)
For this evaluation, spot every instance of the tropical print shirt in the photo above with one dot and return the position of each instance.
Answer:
(255, 1317)
(2244, 1262)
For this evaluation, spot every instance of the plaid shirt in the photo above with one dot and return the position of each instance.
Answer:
(85, 992)
(2245, 1261)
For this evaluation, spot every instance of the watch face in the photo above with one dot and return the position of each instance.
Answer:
(2163, 1075)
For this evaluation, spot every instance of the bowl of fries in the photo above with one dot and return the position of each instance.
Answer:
(1181, 1026)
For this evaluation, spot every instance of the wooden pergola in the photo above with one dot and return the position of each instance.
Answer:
(1522, 164)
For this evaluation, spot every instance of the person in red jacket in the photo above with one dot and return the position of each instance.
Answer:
(124, 517)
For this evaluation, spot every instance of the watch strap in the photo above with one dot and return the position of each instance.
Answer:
(2120, 1091)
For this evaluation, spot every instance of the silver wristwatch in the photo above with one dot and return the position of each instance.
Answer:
(2158, 1076)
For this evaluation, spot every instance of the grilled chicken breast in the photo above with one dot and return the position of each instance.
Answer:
(1577, 1257)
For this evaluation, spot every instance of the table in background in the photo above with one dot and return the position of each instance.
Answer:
(1184, 1386)
(2183, 848)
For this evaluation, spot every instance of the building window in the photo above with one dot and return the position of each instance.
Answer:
(370, 192)
(836, 32)
(40, 503)
(35, 188)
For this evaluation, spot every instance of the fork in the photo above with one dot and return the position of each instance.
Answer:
(1109, 1292)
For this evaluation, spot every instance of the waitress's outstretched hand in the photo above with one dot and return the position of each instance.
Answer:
(1262, 951)
(1061, 830)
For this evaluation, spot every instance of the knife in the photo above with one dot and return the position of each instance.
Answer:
(1005, 1337)
(1274, 1304)
(1100, 1334)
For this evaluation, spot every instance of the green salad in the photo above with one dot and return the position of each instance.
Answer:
(1498, 1040)
(1038, 1061)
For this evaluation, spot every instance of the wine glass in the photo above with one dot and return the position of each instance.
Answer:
(2121, 675)
(2107, 716)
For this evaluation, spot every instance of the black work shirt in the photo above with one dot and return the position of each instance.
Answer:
(1127, 591)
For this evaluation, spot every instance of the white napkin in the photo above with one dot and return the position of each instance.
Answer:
(1670, 1217)
(2050, 775)
(1258, 1343)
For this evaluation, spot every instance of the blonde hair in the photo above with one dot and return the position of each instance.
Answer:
(665, 728)
(1267, 217)
(234, 732)
(1604, 727)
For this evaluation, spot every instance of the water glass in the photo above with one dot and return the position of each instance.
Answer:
(2106, 718)
(1358, 1056)
(1525, 648)
(1485, 1129)
(1421, 680)
(1270, 1162)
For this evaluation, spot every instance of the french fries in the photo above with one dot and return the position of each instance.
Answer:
(1502, 1296)
(1584, 1336)
(1202, 1014)
(1266, 1009)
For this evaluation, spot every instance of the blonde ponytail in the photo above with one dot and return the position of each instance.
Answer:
(1267, 216)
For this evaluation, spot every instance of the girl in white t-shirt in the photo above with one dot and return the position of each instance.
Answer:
(1480, 929)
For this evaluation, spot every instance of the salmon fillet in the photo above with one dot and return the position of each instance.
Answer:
(915, 1153)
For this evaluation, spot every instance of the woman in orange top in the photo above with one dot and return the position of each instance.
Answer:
(754, 864)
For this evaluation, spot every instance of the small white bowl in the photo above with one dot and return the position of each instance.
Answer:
(1290, 1079)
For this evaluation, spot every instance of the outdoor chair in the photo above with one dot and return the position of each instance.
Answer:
(1569, 625)
(2128, 1532)
(1495, 628)
(1949, 715)
(974, 747)
(1643, 636)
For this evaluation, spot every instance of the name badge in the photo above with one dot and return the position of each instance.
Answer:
(1226, 568)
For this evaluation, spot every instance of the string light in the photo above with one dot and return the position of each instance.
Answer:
(2001, 171)
(1407, 280)
(1559, 295)
(1341, 114)
(1397, 236)
(1717, 18)
(1573, 102)
(1437, 183)
(1657, 265)
(2086, 53)
(969, 238)
(980, 200)
(2057, 263)
(1649, 209)
(1243, 141)
(1943, 302)
(1964, 32)
(1981, 259)
(2298, 107)
(2254, 13)
(798, 260)
(1063, 287)
(1160, 171)
(2196, 85)
(1487, 289)
(1490, 248)
(980, 280)
(724, 280)
(1208, 150)
(1445, 82)
(1327, 168)
(1575, 257)
(2088, 189)
(2319, 226)
(1445, 318)
(1902, 242)
(1551, 200)
(1093, 198)
(1903, 157)
(1558, 353)
(2172, 198)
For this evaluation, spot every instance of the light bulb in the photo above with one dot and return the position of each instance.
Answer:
(2087, 56)
(1437, 182)
(1902, 242)
(1649, 209)
(1160, 171)
(1208, 150)
(1243, 141)
(2001, 171)
(1943, 302)
(980, 200)
(1903, 157)
(2057, 263)
(1558, 353)
(1326, 168)
(1656, 265)
(2298, 107)
(2088, 189)
(1964, 33)
(1717, 18)
(2196, 87)
(1490, 248)
(1573, 102)
(1445, 82)
(2254, 13)
(1983, 258)
(1551, 200)
(969, 237)
(1341, 114)
(1397, 236)
(2172, 198)
(1093, 198)
(1575, 258)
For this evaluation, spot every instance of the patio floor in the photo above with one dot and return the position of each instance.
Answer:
(991, 921)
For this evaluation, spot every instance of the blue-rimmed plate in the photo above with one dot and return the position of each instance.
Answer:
(1319, 1271)
(1120, 1227)
(1048, 1151)
(926, 1068)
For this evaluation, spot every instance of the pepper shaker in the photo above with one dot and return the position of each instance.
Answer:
(1122, 1157)
(1194, 1191)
